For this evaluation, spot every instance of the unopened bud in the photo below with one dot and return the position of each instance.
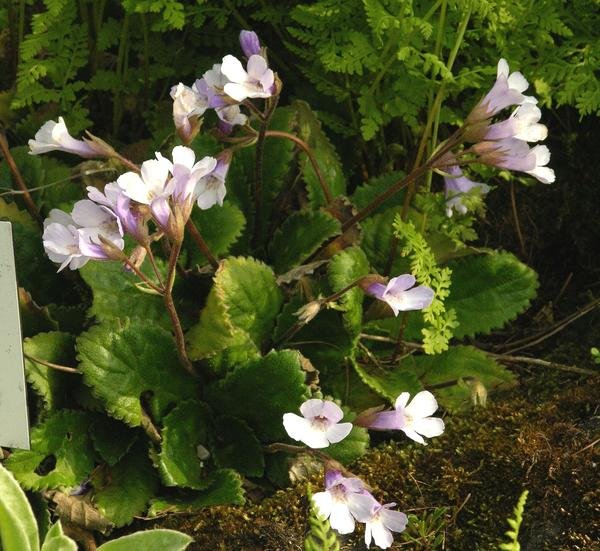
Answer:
(99, 145)
(250, 43)
(478, 393)
(368, 280)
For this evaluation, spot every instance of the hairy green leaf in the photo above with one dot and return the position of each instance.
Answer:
(236, 447)
(159, 539)
(261, 391)
(56, 540)
(61, 453)
(126, 362)
(112, 439)
(488, 291)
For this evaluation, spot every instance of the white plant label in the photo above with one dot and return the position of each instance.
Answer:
(14, 423)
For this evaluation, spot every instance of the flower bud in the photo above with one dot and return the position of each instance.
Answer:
(308, 311)
(250, 43)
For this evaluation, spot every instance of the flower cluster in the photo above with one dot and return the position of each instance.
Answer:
(501, 144)
(223, 88)
(346, 501)
(163, 190)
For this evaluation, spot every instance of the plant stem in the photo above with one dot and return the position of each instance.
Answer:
(202, 245)
(144, 278)
(258, 166)
(154, 265)
(14, 169)
(52, 365)
(170, 304)
(311, 156)
(126, 162)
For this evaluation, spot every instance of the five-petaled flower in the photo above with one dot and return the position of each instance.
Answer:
(319, 425)
(413, 419)
(401, 295)
(456, 186)
(344, 501)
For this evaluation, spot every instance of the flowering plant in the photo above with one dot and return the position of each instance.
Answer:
(234, 278)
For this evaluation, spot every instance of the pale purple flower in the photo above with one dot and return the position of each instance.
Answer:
(249, 43)
(413, 419)
(507, 90)
(61, 242)
(514, 154)
(188, 103)
(257, 82)
(210, 87)
(456, 186)
(187, 172)
(230, 116)
(150, 187)
(319, 425)
(523, 124)
(344, 501)
(210, 189)
(54, 136)
(115, 199)
(401, 295)
(382, 523)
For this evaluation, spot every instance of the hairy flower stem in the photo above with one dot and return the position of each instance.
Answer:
(154, 265)
(311, 156)
(170, 304)
(258, 166)
(124, 160)
(144, 278)
(202, 245)
(14, 169)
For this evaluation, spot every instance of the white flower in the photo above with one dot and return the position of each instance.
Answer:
(456, 186)
(382, 523)
(257, 82)
(319, 427)
(401, 295)
(514, 154)
(187, 103)
(187, 172)
(210, 189)
(54, 136)
(61, 243)
(344, 501)
(413, 419)
(523, 124)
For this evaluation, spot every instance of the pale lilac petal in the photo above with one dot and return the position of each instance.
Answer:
(161, 211)
(57, 216)
(401, 283)
(361, 505)
(336, 433)
(382, 537)
(183, 156)
(388, 420)
(333, 478)
(516, 81)
(402, 400)
(414, 436)
(232, 68)
(204, 166)
(502, 70)
(257, 66)
(422, 405)
(249, 43)
(429, 426)
(341, 519)
(267, 81)
(88, 213)
(417, 298)
(207, 198)
(376, 290)
(393, 520)
(323, 503)
(312, 408)
(353, 484)
(332, 411)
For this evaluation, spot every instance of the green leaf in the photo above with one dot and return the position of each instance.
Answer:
(245, 298)
(116, 295)
(220, 227)
(18, 528)
(261, 391)
(112, 439)
(353, 446)
(53, 386)
(456, 363)
(377, 234)
(389, 383)
(237, 447)
(60, 445)
(125, 360)
(488, 291)
(309, 130)
(299, 236)
(56, 540)
(345, 268)
(132, 482)
(225, 489)
(367, 192)
(160, 539)
(184, 429)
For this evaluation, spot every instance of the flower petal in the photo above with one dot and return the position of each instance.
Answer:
(393, 520)
(429, 426)
(184, 156)
(337, 433)
(323, 503)
(232, 68)
(341, 519)
(401, 283)
(422, 405)
(402, 400)
(312, 408)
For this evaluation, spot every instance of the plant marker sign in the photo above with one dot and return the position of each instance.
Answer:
(14, 424)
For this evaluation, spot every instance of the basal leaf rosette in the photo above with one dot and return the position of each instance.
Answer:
(126, 361)
(242, 306)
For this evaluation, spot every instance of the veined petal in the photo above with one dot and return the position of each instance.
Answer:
(332, 411)
(133, 186)
(393, 520)
(257, 66)
(417, 298)
(414, 436)
(402, 400)
(312, 408)
(401, 283)
(361, 505)
(381, 535)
